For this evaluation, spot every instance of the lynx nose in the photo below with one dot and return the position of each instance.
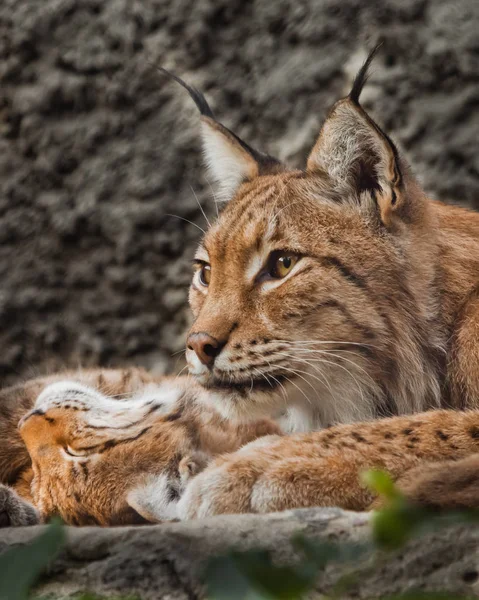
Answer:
(205, 346)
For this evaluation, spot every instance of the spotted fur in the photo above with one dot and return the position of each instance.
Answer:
(159, 454)
(433, 457)
(379, 316)
(122, 458)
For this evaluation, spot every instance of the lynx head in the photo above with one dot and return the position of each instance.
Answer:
(310, 290)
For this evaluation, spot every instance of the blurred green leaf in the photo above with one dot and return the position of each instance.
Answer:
(90, 597)
(323, 552)
(393, 526)
(87, 596)
(21, 566)
(381, 483)
(225, 579)
(253, 576)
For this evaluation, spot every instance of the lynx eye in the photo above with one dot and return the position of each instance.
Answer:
(205, 274)
(75, 453)
(281, 263)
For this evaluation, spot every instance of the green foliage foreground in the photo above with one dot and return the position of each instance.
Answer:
(253, 575)
(21, 566)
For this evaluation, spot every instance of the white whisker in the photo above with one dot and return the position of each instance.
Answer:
(325, 379)
(334, 355)
(180, 372)
(201, 208)
(328, 362)
(187, 221)
(302, 342)
(283, 389)
(285, 207)
(214, 197)
(178, 352)
(298, 388)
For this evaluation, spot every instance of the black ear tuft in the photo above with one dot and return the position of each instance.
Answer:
(230, 160)
(362, 76)
(205, 111)
(195, 94)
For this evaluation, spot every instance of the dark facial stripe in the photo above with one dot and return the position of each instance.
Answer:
(359, 282)
(346, 272)
(174, 416)
(84, 469)
(100, 448)
(236, 208)
(246, 216)
(113, 443)
(150, 411)
(240, 203)
(365, 331)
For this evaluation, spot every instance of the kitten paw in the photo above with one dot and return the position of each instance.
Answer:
(15, 511)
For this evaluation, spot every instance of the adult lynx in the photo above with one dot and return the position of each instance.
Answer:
(336, 293)
(329, 295)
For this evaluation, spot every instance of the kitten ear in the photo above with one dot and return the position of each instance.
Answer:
(355, 153)
(229, 159)
(191, 465)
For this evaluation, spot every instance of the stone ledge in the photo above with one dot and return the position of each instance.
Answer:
(165, 561)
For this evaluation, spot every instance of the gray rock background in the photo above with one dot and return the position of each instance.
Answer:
(167, 561)
(96, 148)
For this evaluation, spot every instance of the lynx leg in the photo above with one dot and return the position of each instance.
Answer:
(323, 468)
(156, 499)
(265, 479)
(463, 369)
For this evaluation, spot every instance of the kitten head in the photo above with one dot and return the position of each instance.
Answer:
(94, 458)
(306, 293)
(108, 461)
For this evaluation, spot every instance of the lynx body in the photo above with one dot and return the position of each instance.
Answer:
(336, 294)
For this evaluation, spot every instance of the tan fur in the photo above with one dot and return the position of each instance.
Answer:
(142, 458)
(17, 400)
(451, 485)
(402, 337)
(95, 458)
(324, 468)
(379, 316)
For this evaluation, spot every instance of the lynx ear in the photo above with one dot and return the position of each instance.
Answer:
(229, 159)
(355, 153)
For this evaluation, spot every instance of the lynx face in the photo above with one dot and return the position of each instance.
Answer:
(284, 299)
(312, 293)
